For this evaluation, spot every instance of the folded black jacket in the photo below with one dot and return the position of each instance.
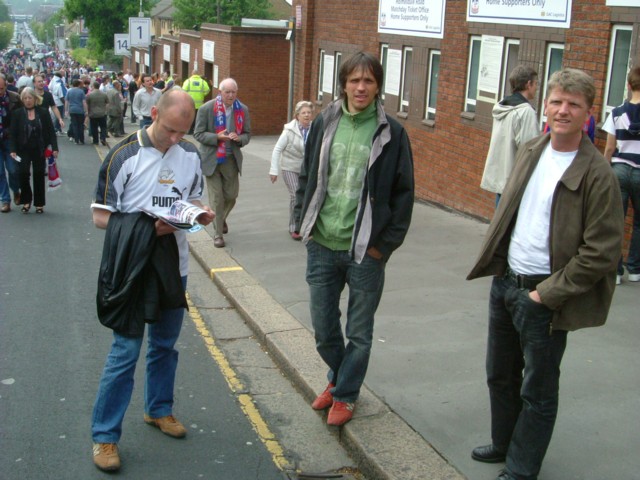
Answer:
(139, 274)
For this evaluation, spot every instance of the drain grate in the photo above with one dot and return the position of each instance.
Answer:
(341, 474)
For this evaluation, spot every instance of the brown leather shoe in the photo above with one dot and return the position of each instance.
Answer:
(218, 242)
(6, 207)
(324, 400)
(16, 198)
(106, 457)
(167, 425)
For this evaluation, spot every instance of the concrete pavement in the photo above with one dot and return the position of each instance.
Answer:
(426, 403)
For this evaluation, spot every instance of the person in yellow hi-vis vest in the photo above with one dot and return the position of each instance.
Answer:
(197, 88)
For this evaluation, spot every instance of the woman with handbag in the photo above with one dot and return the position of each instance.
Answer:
(31, 133)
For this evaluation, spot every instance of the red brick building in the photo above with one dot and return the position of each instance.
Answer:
(435, 83)
(446, 64)
(257, 58)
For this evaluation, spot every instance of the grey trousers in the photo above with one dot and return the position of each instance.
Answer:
(223, 187)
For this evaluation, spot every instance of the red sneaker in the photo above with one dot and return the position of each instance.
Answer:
(324, 400)
(340, 413)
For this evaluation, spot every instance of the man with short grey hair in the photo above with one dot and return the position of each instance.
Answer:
(223, 127)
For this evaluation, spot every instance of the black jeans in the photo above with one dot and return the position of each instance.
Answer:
(77, 127)
(98, 123)
(32, 159)
(523, 374)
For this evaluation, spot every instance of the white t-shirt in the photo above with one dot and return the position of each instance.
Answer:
(529, 246)
(135, 174)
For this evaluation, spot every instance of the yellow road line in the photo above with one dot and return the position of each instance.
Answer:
(236, 386)
(213, 271)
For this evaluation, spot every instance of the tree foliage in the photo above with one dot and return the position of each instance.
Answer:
(226, 12)
(4, 13)
(104, 18)
(6, 32)
(45, 30)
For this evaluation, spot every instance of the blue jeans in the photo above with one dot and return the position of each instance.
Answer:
(328, 272)
(116, 384)
(10, 179)
(523, 374)
(145, 122)
(629, 178)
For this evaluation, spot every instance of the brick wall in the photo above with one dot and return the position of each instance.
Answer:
(450, 152)
(257, 58)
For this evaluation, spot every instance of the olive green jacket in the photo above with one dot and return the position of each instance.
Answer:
(585, 237)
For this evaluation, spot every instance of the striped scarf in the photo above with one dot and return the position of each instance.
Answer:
(221, 123)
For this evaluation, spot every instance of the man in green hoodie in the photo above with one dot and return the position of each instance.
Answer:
(353, 209)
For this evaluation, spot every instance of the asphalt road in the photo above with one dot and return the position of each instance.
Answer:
(52, 350)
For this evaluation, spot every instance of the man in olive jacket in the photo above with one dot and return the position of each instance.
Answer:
(553, 248)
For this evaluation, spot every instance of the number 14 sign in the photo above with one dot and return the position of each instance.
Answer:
(121, 43)
(139, 32)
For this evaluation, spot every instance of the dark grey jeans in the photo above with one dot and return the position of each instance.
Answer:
(523, 374)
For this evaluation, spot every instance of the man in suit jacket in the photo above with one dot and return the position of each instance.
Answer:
(222, 127)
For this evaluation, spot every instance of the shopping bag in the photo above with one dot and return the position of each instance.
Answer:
(52, 171)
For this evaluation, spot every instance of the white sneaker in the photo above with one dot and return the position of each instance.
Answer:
(618, 279)
(634, 277)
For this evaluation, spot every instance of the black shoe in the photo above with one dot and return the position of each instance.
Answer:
(488, 454)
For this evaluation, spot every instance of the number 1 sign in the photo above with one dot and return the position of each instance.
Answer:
(139, 32)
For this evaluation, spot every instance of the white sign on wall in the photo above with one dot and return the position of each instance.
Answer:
(185, 50)
(208, 48)
(539, 13)
(139, 31)
(490, 67)
(166, 53)
(327, 74)
(392, 72)
(121, 43)
(418, 18)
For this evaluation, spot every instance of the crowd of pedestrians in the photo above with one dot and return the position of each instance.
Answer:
(553, 247)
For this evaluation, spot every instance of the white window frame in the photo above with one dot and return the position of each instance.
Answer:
(430, 112)
(384, 52)
(467, 100)
(606, 107)
(320, 74)
(337, 60)
(545, 79)
(404, 102)
(506, 71)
